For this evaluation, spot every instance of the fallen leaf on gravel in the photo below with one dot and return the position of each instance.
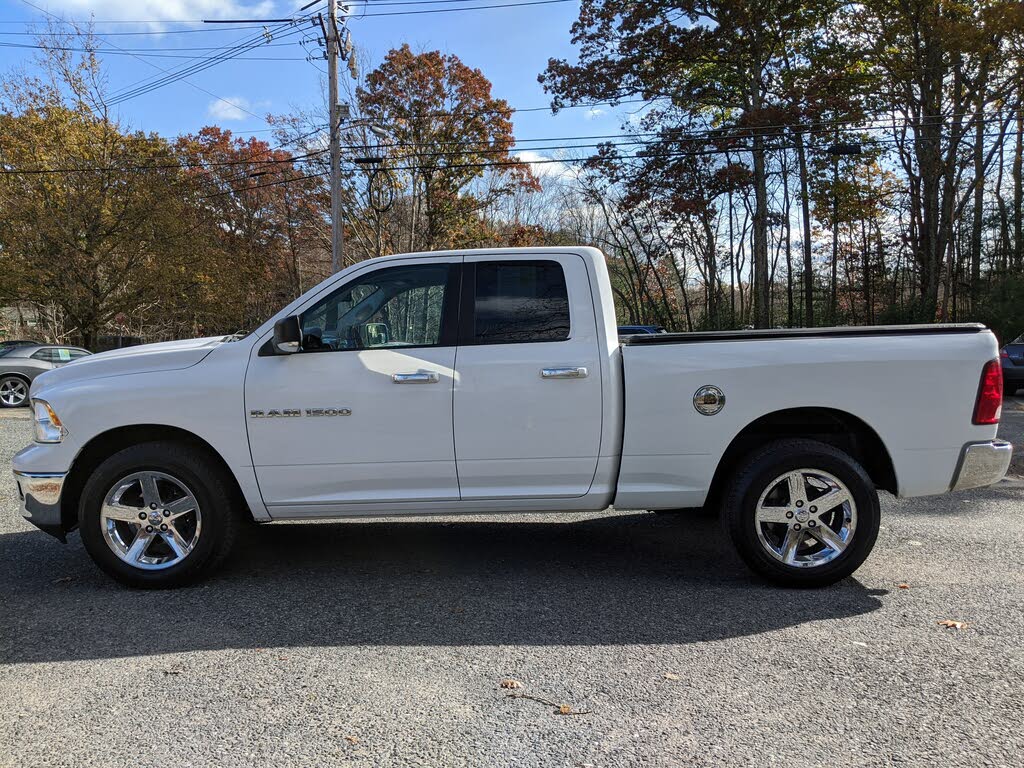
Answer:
(902, 586)
(173, 671)
(951, 624)
(914, 543)
(510, 683)
(560, 709)
(352, 739)
(64, 580)
(671, 676)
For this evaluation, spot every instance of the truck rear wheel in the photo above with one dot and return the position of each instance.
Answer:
(801, 513)
(158, 515)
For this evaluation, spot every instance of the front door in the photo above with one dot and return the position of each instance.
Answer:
(364, 412)
(528, 379)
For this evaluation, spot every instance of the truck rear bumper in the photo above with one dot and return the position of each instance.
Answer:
(40, 500)
(982, 464)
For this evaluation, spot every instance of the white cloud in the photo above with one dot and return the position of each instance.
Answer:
(546, 167)
(234, 108)
(593, 112)
(153, 12)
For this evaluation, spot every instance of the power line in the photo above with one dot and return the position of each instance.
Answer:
(151, 64)
(247, 24)
(462, 8)
(8, 171)
(618, 140)
(228, 52)
(141, 33)
(146, 55)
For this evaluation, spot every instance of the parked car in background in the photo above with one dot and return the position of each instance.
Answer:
(22, 361)
(638, 330)
(1012, 358)
(18, 343)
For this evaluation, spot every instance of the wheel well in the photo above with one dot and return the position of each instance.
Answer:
(843, 430)
(105, 445)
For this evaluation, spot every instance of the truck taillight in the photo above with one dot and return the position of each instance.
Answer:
(989, 404)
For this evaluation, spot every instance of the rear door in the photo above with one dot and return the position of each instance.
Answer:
(527, 401)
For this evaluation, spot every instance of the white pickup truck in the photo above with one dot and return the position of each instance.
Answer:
(494, 381)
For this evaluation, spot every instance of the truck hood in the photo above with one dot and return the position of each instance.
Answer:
(145, 358)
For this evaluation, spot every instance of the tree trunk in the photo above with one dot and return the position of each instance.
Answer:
(805, 215)
(760, 235)
(979, 197)
(1018, 181)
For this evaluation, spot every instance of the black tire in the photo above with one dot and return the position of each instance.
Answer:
(204, 477)
(759, 471)
(18, 388)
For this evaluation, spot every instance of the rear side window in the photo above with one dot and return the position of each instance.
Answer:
(520, 301)
(46, 355)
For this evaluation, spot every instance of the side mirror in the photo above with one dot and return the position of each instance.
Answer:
(287, 335)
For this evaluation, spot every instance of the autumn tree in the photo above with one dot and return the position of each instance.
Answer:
(92, 223)
(942, 67)
(258, 219)
(447, 132)
(719, 60)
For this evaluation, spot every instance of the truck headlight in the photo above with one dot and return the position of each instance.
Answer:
(45, 423)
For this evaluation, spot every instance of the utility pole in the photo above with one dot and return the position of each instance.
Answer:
(333, 43)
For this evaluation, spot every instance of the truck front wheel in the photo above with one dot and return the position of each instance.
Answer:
(801, 513)
(158, 515)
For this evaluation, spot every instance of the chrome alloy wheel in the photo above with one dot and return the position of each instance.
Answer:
(13, 392)
(151, 520)
(806, 518)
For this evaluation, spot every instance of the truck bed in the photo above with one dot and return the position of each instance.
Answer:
(913, 386)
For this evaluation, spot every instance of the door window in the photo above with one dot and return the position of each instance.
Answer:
(46, 355)
(519, 301)
(385, 309)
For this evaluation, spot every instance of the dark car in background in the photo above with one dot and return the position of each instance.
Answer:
(1012, 358)
(21, 361)
(637, 330)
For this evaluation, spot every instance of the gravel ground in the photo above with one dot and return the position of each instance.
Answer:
(384, 644)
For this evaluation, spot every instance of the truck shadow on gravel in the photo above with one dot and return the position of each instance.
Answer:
(621, 579)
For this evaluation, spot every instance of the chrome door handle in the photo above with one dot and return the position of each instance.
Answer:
(563, 373)
(415, 378)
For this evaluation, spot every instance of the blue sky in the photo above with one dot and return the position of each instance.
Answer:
(509, 45)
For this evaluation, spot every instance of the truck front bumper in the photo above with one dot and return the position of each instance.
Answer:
(40, 500)
(982, 464)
